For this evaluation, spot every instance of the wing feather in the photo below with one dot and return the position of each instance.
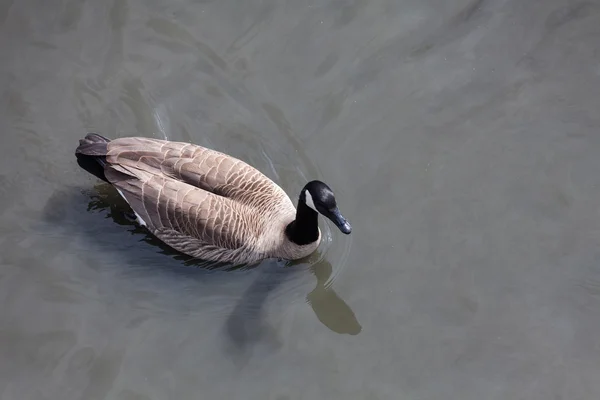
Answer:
(195, 165)
(160, 203)
(199, 201)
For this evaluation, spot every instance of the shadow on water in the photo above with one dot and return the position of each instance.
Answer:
(245, 325)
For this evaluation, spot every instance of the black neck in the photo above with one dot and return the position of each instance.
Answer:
(305, 228)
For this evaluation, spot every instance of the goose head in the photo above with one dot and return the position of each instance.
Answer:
(319, 197)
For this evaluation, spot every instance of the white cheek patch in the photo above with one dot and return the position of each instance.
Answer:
(309, 200)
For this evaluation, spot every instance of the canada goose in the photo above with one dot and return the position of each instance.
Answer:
(207, 204)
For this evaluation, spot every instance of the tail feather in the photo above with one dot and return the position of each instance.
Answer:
(93, 145)
(91, 154)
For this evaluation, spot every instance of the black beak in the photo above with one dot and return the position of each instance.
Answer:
(338, 219)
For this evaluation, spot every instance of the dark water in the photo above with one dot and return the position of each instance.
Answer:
(462, 139)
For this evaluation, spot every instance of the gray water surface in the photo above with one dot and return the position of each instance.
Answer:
(462, 139)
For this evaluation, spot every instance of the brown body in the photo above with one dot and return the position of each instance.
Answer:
(201, 202)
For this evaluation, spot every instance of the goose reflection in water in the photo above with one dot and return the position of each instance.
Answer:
(246, 324)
